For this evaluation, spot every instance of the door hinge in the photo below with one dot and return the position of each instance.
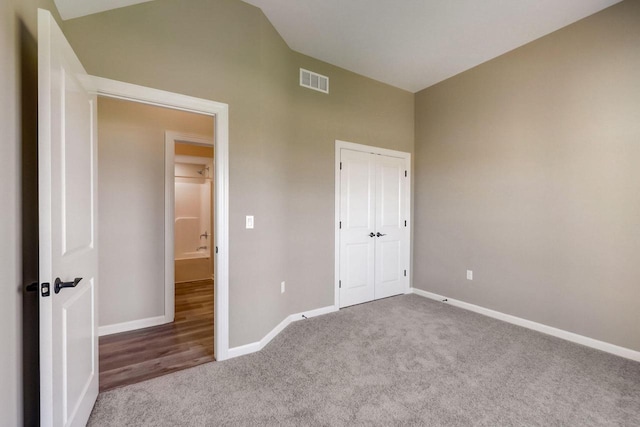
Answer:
(340, 284)
(45, 290)
(340, 224)
(216, 249)
(405, 174)
(405, 222)
(405, 273)
(340, 165)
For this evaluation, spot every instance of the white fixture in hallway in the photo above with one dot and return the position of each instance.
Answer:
(249, 222)
(469, 275)
(193, 216)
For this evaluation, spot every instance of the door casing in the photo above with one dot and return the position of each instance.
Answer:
(220, 113)
(407, 201)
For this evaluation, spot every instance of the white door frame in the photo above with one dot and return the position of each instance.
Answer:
(373, 150)
(220, 113)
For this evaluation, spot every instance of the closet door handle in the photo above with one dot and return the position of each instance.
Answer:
(371, 234)
(380, 235)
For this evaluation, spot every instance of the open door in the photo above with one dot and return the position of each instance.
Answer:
(68, 231)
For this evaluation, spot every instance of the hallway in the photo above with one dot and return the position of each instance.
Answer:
(135, 356)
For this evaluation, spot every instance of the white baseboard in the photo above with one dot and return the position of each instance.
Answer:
(243, 350)
(313, 313)
(549, 330)
(259, 345)
(132, 325)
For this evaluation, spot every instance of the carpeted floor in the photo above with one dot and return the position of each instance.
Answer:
(402, 360)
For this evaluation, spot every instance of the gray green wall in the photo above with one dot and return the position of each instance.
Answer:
(10, 261)
(282, 137)
(528, 173)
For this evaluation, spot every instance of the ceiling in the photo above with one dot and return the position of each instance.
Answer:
(410, 44)
(70, 9)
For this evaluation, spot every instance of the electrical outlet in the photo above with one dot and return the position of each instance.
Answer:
(469, 275)
(282, 287)
(249, 221)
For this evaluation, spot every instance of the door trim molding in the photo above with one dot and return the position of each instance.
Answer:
(374, 150)
(220, 112)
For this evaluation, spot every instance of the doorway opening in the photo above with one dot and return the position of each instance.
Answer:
(157, 246)
(69, 226)
(193, 212)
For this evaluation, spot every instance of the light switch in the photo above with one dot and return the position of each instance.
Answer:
(249, 221)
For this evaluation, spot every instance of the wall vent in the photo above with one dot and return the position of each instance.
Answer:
(314, 81)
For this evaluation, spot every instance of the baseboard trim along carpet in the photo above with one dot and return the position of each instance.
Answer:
(549, 330)
(259, 345)
(116, 328)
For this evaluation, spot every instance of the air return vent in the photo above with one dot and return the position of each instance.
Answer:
(314, 81)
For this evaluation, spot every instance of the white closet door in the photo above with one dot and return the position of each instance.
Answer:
(391, 237)
(357, 214)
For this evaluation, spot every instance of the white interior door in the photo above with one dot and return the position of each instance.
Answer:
(68, 231)
(391, 237)
(373, 233)
(357, 214)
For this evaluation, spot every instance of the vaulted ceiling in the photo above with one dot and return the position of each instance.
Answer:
(70, 9)
(410, 44)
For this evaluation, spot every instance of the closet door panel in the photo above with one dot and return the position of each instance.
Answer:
(390, 251)
(357, 213)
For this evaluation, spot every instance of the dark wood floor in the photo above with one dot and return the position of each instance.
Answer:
(135, 356)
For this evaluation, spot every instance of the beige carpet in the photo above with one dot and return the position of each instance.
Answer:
(400, 361)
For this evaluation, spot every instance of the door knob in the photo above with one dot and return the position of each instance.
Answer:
(371, 234)
(380, 235)
(58, 285)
